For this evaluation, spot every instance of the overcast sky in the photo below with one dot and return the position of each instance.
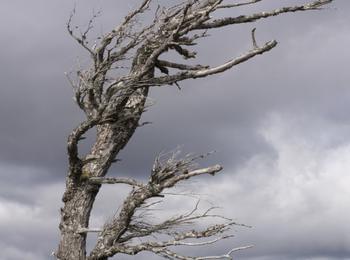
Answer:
(280, 124)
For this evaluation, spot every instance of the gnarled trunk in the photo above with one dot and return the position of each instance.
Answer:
(114, 103)
(80, 195)
(75, 215)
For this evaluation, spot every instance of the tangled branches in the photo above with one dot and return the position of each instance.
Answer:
(125, 63)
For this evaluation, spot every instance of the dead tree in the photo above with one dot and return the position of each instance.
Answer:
(113, 99)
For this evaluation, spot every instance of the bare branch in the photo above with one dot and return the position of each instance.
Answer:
(162, 249)
(164, 175)
(255, 45)
(179, 66)
(89, 230)
(114, 101)
(80, 40)
(252, 18)
(210, 71)
(73, 139)
(111, 180)
(238, 4)
(186, 175)
(239, 249)
(144, 5)
(178, 238)
(115, 32)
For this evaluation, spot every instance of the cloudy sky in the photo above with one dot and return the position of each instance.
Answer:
(280, 124)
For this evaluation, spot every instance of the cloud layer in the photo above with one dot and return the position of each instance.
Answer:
(280, 124)
(296, 197)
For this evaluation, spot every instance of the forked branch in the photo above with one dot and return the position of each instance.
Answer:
(165, 174)
(112, 93)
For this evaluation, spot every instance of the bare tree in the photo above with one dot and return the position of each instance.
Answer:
(113, 94)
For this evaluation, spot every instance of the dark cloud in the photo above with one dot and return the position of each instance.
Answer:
(307, 74)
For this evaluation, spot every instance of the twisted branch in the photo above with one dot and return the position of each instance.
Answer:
(114, 101)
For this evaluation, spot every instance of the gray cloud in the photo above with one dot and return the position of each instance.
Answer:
(305, 76)
(296, 199)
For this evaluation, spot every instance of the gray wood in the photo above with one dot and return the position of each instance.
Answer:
(113, 104)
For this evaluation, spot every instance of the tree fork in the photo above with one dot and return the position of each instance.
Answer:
(80, 194)
(114, 103)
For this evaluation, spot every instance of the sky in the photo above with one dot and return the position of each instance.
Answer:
(279, 123)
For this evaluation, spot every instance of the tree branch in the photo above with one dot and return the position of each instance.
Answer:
(209, 71)
(111, 180)
(179, 66)
(80, 40)
(73, 139)
(254, 17)
(164, 175)
(238, 4)
(114, 101)
(117, 31)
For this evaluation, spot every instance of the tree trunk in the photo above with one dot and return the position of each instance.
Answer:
(75, 215)
(80, 194)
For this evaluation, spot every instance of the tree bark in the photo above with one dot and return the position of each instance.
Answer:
(74, 215)
(80, 194)
(114, 107)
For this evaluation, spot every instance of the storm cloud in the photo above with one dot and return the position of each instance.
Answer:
(279, 123)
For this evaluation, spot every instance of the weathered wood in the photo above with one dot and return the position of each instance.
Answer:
(114, 104)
